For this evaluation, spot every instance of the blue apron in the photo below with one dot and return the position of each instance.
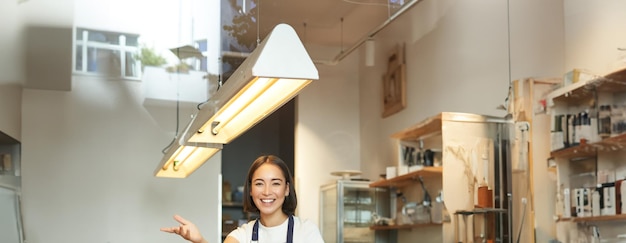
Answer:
(255, 230)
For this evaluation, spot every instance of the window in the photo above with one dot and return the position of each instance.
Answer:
(202, 63)
(110, 54)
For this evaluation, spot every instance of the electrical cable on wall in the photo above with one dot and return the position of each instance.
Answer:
(341, 35)
(521, 226)
(508, 30)
(523, 164)
(258, 22)
(304, 25)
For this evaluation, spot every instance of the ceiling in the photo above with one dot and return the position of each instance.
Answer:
(340, 23)
(331, 23)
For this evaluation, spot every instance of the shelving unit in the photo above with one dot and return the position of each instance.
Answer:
(452, 136)
(587, 158)
(409, 178)
(403, 226)
(581, 92)
(402, 181)
(591, 149)
(617, 217)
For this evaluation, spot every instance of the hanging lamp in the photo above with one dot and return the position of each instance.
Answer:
(275, 72)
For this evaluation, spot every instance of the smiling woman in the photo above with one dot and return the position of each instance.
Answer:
(269, 187)
(268, 191)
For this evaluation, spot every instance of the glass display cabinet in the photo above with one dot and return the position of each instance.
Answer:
(346, 210)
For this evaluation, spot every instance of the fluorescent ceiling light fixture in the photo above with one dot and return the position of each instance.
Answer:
(181, 160)
(273, 74)
(269, 77)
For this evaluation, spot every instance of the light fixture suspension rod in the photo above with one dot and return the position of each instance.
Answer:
(371, 34)
(508, 38)
(305, 39)
(258, 22)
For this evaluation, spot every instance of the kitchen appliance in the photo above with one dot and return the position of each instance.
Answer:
(348, 207)
(10, 215)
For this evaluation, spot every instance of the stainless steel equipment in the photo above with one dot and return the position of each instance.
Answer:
(346, 210)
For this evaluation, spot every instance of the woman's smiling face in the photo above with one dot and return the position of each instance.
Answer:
(269, 189)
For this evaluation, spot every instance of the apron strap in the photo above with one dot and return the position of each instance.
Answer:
(255, 230)
(290, 230)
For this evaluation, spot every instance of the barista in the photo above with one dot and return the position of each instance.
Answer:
(268, 191)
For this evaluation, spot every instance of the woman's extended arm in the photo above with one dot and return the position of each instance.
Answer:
(186, 229)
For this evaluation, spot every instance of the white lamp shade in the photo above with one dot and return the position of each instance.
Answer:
(273, 74)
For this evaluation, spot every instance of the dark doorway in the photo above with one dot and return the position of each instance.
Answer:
(273, 135)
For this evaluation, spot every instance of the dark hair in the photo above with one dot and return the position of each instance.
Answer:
(291, 201)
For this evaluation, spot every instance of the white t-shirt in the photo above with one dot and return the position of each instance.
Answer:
(303, 231)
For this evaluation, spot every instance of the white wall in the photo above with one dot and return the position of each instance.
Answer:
(10, 69)
(88, 155)
(10, 43)
(460, 65)
(457, 60)
(87, 163)
(593, 33)
(10, 108)
(56, 13)
(327, 130)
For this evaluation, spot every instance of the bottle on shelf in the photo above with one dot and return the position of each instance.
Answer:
(604, 121)
(567, 203)
(623, 196)
(618, 121)
(595, 203)
(436, 213)
(559, 203)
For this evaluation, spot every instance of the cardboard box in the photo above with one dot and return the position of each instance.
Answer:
(578, 75)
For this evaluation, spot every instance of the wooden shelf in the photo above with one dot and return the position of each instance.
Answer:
(403, 226)
(232, 204)
(582, 92)
(617, 217)
(479, 210)
(578, 151)
(433, 125)
(589, 149)
(405, 179)
(428, 127)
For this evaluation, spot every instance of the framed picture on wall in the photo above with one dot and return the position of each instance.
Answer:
(394, 83)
